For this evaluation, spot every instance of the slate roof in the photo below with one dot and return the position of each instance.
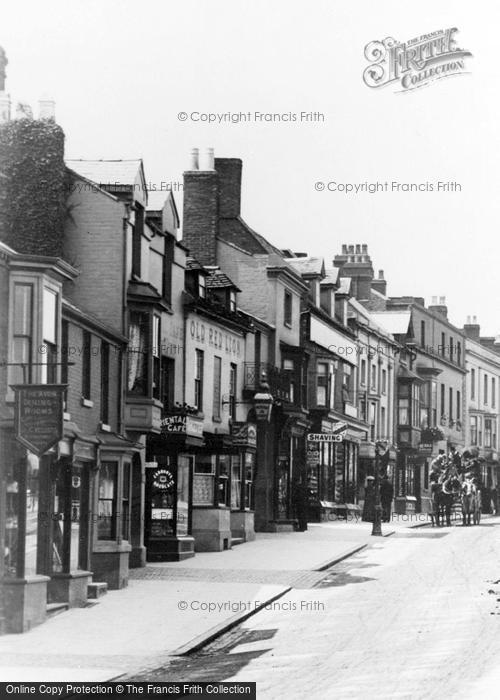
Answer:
(218, 280)
(307, 266)
(193, 264)
(331, 275)
(236, 231)
(107, 172)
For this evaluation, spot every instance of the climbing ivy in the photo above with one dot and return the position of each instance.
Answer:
(33, 186)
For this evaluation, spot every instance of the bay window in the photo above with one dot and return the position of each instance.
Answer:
(22, 334)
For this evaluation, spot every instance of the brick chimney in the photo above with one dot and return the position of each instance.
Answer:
(380, 285)
(438, 305)
(201, 208)
(229, 171)
(472, 329)
(355, 262)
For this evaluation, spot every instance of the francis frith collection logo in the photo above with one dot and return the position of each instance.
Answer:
(416, 62)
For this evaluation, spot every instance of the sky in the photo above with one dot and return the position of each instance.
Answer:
(121, 72)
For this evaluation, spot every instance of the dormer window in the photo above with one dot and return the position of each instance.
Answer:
(202, 288)
(232, 300)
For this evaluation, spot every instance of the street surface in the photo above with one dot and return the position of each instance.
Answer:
(416, 615)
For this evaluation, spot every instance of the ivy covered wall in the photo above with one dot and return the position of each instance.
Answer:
(33, 186)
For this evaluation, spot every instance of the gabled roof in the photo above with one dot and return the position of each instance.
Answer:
(107, 172)
(396, 322)
(369, 317)
(308, 266)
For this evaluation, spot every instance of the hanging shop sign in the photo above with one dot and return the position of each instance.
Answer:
(244, 434)
(337, 435)
(39, 415)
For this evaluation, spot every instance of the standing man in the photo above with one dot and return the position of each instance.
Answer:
(386, 496)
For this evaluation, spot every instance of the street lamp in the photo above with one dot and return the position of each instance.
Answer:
(263, 401)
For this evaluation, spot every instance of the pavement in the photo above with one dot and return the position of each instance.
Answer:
(176, 607)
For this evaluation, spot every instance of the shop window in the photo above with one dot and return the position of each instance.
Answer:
(235, 482)
(49, 333)
(156, 357)
(198, 380)
(125, 512)
(287, 309)
(106, 520)
(217, 388)
(203, 480)
(223, 480)
(22, 334)
(105, 382)
(137, 371)
(86, 364)
(232, 391)
(249, 470)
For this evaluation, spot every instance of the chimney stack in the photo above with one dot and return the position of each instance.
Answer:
(439, 307)
(472, 329)
(380, 285)
(354, 262)
(200, 213)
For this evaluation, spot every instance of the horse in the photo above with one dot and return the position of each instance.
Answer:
(468, 500)
(443, 494)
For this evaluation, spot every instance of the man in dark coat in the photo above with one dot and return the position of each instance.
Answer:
(386, 495)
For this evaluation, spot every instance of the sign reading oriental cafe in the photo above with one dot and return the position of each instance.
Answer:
(39, 417)
(182, 426)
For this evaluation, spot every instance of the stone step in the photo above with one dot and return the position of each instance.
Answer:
(56, 608)
(97, 589)
(236, 540)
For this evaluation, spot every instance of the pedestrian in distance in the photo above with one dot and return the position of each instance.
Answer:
(369, 504)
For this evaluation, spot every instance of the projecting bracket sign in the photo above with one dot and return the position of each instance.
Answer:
(337, 435)
(39, 416)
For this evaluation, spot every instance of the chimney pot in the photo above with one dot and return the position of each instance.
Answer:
(474, 319)
(344, 249)
(207, 162)
(442, 300)
(468, 320)
(434, 300)
(351, 249)
(358, 248)
(381, 274)
(194, 163)
(364, 248)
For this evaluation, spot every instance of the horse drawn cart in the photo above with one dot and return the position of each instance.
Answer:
(455, 492)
